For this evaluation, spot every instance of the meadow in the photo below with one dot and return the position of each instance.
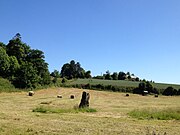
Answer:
(45, 114)
(123, 83)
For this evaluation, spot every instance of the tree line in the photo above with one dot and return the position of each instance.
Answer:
(23, 66)
(26, 67)
(118, 76)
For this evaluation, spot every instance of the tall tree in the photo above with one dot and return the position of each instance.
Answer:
(121, 76)
(4, 62)
(2, 45)
(13, 68)
(72, 70)
(88, 74)
(17, 48)
(27, 76)
(24, 66)
(108, 75)
(114, 76)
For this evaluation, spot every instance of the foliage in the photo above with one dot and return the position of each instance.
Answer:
(6, 86)
(4, 62)
(55, 73)
(108, 75)
(170, 91)
(55, 80)
(165, 114)
(121, 76)
(117, 85)
(2, 45)
(145, 86)
(114, 76)
(64, 80)
(74, 70)
(102, 87)
(27, 76)
(88, 74)
(117, 76)
(99, 77)
(25, 67)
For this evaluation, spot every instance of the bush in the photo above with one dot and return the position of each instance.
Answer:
(6, 86)
(100, 86)
(155, 91)
(137, 91)
(170, 91)
(64, 80)
(108, 87)
(178, 93)
(87, 86)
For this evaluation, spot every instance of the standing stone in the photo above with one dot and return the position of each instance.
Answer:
(84, 100)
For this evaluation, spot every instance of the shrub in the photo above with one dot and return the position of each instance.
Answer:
(108, 87)
(98, 86)
(155, 91)
(169, 91)
(178, 93)
(87, 86)
(137, 91)
(64, 80)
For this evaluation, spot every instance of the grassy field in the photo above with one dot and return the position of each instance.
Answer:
(112, 116)
(121, 83)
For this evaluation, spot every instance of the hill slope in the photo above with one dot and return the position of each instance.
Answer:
(121, 83)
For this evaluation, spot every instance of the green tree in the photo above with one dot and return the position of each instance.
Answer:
(66, 71)
(169, 91)
(114, 76)
(72, 70)
(137, 79)
(88, 74)
(26, 67)
(121, 76)
(55, 73)
(128, 74)
(108, 75)
(27, 76)
(36, 57)
(17, 48)
(149, 87)
(4, 62)
(2, 45)
(13, 68)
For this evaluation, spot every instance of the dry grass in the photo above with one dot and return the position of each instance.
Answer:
(111, 118)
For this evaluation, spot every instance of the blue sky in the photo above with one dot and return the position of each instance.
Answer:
(139, 36)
